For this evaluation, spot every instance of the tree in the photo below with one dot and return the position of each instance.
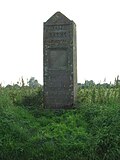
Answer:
(33, 83)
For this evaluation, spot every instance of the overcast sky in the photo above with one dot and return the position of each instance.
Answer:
(21, 37)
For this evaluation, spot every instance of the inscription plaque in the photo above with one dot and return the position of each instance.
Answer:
(59, 62)
(57, 59)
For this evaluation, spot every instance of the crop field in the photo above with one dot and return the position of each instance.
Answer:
(90, 131)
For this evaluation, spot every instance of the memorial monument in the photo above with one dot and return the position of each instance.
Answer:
(59, 62)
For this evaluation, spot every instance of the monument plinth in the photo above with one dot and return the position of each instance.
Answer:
(60, 62)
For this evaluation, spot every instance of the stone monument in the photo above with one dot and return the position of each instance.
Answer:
(59, 62)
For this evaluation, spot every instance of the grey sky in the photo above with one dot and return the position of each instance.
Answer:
(21, 37)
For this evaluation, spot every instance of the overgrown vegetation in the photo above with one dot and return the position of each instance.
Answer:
(91, 131)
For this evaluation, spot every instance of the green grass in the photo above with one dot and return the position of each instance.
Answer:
(89, 132)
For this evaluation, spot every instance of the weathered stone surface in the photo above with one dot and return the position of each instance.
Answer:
(60, 62)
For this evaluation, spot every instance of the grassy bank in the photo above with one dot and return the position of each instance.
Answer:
(89, 132)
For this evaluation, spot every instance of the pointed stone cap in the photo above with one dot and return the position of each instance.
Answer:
(57, 19)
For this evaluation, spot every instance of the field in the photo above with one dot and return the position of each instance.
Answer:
(90, 131)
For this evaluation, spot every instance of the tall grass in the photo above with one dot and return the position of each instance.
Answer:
(91, 131)
(99, 94)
